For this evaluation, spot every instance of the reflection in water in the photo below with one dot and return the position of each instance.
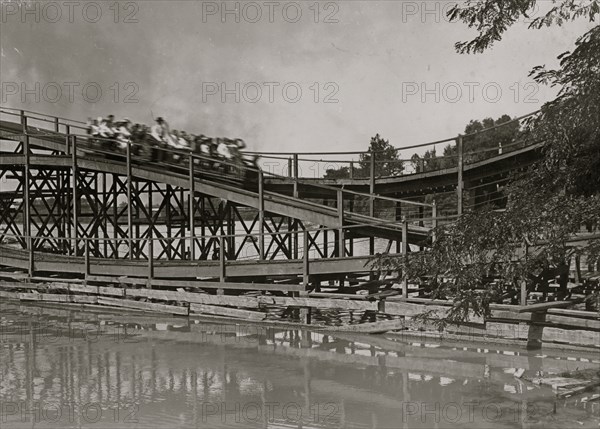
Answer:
(78, 368)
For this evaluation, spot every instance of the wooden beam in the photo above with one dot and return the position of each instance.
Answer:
(575, 313)
(322, 303)
(545, 306)
(148, 306)
(574, 321)
(224, 311)
(405, 257)
(340, 211)
(409, 309)
(196, 298)
(129, 199)
(222, 273)
(460, 183)
(296, 171)
(261, 217)
(305, 260)
(191, 209)
(368, 328)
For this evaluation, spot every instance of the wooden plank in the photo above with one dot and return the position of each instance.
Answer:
(84, 289)
(228, 285)
(578, 337)
(515, 331)
(21, 285)
(368, 328)
(113, 279)
(198, 298)
(9, 295)
(51, 297)
(370, 285)
(574, 322)
(148, 306)
(338, 295)
(319, 303)
(543, 306)
(224, 311)
(575, 313)
(55, 279)
(253, 302)
(110, 291)
(82, 299)
(410, 309)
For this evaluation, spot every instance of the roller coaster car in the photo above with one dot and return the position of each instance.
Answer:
(239, 171)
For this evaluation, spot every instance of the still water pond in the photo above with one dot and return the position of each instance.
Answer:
(85, 368)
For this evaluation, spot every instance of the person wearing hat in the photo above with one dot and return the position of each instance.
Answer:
(123, 133)
(160, 132)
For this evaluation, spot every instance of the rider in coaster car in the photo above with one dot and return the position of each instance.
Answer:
(123, 132)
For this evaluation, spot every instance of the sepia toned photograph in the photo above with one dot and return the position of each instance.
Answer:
(308, 214)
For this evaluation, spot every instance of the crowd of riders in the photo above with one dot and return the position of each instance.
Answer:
(160, 143)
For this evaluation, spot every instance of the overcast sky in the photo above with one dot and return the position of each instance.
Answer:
(373, 57)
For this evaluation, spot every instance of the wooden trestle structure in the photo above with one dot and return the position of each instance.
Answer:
(84, 226)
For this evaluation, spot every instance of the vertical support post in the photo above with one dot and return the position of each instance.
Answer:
(26, 196)
(290, 167)
(168, 194)
(31, 266)
(372, 199)
(230, 231)
(351, 170)
(150, 261)
(191, 206)
(404, 256)
(421, 216)
(104, 200)
(434, 220)
(68, 139)
(305, 317)
(295, 238)
(222, 273)
(23, 122)
(523, 295)
(261, 217)
(398, 218)
(296, 169)
(115, 215)
(460, 184)
(86, 257)
(523, 298)
(138, 244)
(421, 165)
(129, 213)
(340, 210)
(75, 193)
(56, 124)
(305, 266)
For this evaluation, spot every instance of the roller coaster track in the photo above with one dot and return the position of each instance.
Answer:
(422, 183)
(273, 202)
(93, 249)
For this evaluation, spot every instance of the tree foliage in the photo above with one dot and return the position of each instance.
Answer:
(548, 204)
(387, 162)
(492, 18)
(483, 139)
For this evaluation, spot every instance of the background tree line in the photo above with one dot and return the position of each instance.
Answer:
(482, 140)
